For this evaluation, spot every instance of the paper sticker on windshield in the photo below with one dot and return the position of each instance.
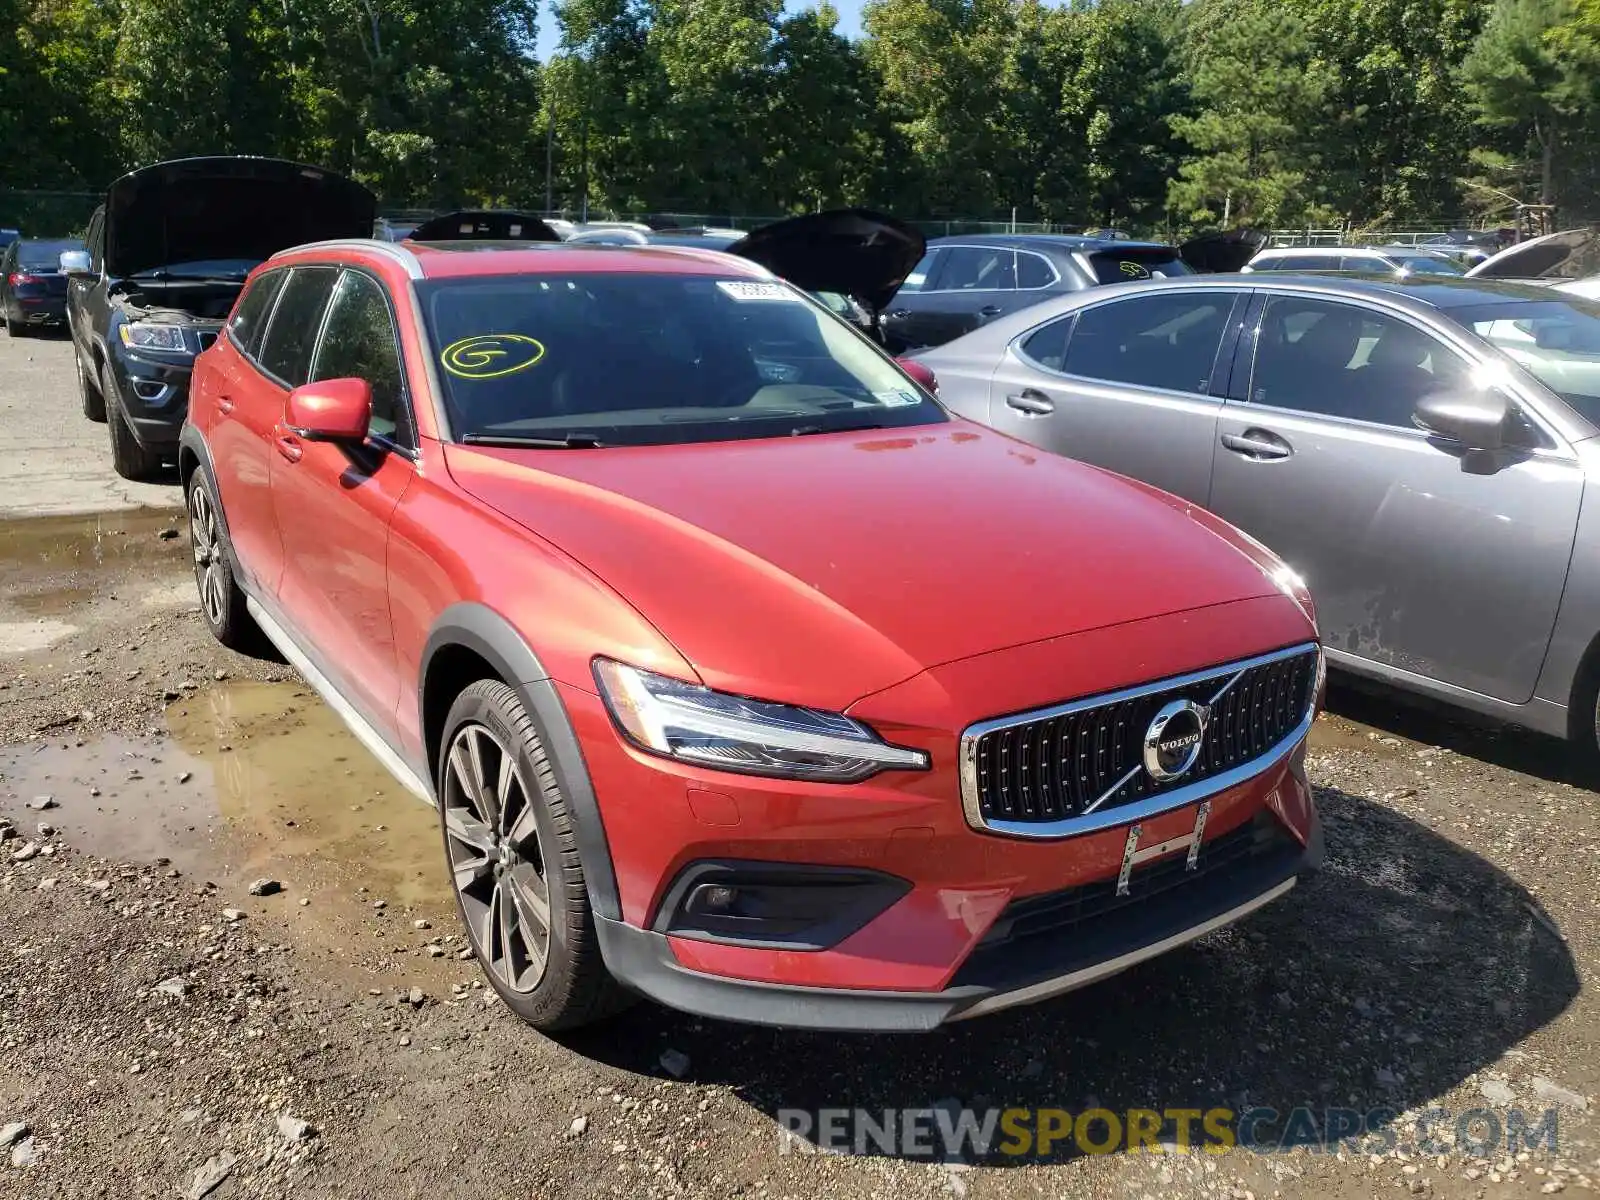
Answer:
(897, 399)
(491, 355)
(741, 289)
(1133, 270)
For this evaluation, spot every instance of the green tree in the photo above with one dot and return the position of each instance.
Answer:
(1534, 81)
(1258, 92)
(939, 62)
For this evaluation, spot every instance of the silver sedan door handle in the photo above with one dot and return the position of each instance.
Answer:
(1257, 443)
(1032, 402)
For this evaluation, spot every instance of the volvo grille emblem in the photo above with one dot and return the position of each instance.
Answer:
(1174, 740)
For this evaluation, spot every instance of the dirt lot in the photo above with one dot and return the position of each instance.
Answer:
(157, 1021)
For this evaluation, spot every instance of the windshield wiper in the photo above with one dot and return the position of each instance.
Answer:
(569, 441)
(804, 430)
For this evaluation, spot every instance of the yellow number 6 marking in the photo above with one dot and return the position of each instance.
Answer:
(491, 355)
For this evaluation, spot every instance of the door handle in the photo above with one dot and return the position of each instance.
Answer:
(1258, 444)
(1034, 403)
(224, 404)
(288, 444)
(990, 310)
(898, 314)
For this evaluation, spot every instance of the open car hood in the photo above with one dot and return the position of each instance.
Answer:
(852, 251)
(483, 224)
(1569, 254)
(1221, 251)
(199, 209)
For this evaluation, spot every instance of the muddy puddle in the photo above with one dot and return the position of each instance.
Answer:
(253, 780)
(37, 544)
(55, 568)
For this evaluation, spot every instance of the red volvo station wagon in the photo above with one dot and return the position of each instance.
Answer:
(743, 675)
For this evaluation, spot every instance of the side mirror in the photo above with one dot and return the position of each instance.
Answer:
(1477, 421)
(921, 372)
(331, 410)
(75, 264)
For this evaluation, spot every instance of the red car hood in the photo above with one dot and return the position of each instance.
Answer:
(819, 569)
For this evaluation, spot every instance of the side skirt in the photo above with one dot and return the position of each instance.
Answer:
(365, 732)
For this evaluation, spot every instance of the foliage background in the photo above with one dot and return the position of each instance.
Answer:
(1143, 114)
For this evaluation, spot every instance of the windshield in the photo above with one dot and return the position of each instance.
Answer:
(44, 256)
(1424, 264)
(1558, 341)
(642, 359)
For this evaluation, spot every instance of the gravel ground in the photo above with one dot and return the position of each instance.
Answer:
(56, 461)
(161, 1026)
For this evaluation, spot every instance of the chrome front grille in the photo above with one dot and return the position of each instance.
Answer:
(1080, 766)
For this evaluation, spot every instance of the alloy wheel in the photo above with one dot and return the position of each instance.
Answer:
(207, 554)
(492, 836)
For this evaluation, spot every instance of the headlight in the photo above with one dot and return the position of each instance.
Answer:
(731, 733)
(152, 335)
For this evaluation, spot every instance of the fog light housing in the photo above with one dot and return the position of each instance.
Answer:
(780, 906)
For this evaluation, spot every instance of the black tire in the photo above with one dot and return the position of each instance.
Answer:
(503, 850)
(94, 404)
(15, 329)
(222, 601)
(128, 458)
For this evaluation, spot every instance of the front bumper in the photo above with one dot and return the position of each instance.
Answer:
(947, 921)
(154, 391)
(1018, 970)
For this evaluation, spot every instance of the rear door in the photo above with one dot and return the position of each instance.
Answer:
(235, 405)
(1131, 384)
(968, 286)
(1421, 560)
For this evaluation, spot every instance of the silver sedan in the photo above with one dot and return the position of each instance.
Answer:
(1422, 452)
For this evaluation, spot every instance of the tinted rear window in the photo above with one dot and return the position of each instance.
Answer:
(45, 255)
(1119, 266)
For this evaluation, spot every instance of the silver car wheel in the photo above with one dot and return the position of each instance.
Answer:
(492, 836)
(207, 554)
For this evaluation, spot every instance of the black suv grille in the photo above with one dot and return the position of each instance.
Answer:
(1055, 767)
(207, 338)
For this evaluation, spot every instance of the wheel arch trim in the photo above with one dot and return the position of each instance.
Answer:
(480, 629)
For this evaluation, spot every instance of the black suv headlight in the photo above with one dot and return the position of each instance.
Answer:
(154, 335)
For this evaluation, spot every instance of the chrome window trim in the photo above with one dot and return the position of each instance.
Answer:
(1015, 345)
(1462, 340)
(943, 246)
(1055, 275)
(1151, 806)
(1167, 287)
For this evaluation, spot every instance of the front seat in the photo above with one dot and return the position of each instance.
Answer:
(1394, 377)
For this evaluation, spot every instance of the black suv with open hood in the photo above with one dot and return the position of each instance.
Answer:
(852, 259)
(167, 255)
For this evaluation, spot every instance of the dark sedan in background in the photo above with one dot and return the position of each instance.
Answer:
(964, 282)
(33, 291)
